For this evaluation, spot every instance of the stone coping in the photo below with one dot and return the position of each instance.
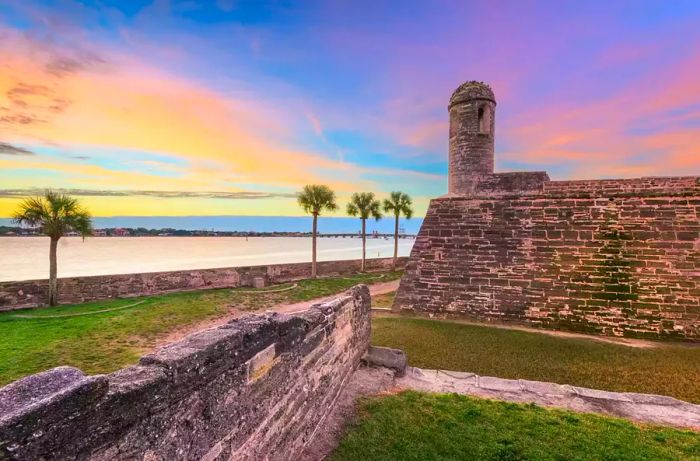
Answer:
(646, 408)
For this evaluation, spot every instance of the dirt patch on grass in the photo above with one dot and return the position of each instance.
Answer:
(251, 304)
(364, 382)
(180, 332)
(376, 289)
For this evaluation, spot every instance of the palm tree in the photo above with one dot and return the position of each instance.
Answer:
(398, 203)
(364, 205)
(314, 199)
(55, 214)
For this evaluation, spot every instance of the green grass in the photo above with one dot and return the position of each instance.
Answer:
(416, 426)
(104, 342)
(670, 369)
(383, 301)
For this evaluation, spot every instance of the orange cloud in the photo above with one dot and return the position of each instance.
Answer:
(119, 103)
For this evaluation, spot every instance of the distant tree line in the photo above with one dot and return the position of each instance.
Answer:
(12, 231)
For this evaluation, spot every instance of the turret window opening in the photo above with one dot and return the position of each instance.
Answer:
(484, 119)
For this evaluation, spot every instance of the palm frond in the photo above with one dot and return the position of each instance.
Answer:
(399, 204)
(315, 198)
(364, 205)
(55, 214)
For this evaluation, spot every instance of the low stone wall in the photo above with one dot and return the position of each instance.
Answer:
(256, 388)
(32, 293)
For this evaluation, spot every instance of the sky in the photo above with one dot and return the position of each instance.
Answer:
(229, 107)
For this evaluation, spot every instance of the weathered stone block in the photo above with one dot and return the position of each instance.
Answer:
(201, 354)
(42, 413)
(498, 384)
(259, 282)
(260, 364)
(394, 359)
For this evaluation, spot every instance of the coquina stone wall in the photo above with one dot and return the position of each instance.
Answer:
(256, 388)
(616, 257)
(32, 293)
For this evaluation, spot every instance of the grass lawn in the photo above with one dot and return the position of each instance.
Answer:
(670, 369)
(416, 426)
(107, 341)
(383, 301)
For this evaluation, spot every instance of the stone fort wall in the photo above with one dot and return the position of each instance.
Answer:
(615, 257)
(33, 293)
(256, 388)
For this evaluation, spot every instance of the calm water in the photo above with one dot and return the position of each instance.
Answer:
(26, 258)
(327, 225)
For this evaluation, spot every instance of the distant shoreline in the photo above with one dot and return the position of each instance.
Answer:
(240, 225)
(8, 231)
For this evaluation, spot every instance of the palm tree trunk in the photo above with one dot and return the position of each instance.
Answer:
(364, 241)
(53, 289)
(396, 243)
(313, 247)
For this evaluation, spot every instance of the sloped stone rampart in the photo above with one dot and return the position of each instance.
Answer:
(256, 388)
(613, 257)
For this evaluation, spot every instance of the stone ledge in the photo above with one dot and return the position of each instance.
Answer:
(37, 388)
(54, 394)
(542, 388)
(497, 384)
(647, 408)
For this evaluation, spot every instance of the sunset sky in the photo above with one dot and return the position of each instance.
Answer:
(229, 107)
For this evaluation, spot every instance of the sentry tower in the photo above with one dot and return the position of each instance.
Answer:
(472, 111)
